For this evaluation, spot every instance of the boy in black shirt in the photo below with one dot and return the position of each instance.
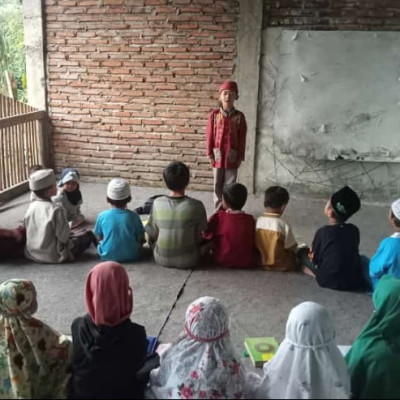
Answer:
(334, 258)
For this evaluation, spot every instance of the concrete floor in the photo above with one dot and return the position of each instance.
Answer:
(258, 301)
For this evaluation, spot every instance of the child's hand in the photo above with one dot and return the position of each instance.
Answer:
(211, 158)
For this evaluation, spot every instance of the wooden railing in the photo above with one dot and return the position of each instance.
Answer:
(21, 143)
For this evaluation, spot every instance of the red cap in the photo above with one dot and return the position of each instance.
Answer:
(229, 85)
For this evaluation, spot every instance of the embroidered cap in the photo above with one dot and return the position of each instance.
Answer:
(396, 208)
(42, 179)
(345, 202)
(229, 85)
(68, 175)
(118, 189)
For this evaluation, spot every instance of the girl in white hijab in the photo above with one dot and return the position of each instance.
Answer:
(308, 364)
(202, 364)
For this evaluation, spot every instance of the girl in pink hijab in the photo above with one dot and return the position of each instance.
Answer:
(109, 349)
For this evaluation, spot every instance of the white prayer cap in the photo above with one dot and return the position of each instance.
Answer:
(42, 179)
(118, 189)
(396, 208)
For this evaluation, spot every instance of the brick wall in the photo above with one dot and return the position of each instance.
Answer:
(130, 83)
(333, 14)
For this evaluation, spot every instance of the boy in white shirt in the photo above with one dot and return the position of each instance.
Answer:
(48, 235)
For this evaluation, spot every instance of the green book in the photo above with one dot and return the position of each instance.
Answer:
(261, 349)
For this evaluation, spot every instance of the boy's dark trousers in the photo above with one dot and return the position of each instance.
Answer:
(82, 241)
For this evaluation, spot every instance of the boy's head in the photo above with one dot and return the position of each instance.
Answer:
(69, 179)
(342, 205)
(228, 93)
(394, 214)
(43, 183)
(276, 198)
(234, 196)
(34, 168)
(176, 176)
(119, 193)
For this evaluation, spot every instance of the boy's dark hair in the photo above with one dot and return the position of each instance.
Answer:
(176, 176)
(276, 197)
(396, 221)
(339, 218)
(42, 192)
(235, 195)
(35, 168)
(119, 203)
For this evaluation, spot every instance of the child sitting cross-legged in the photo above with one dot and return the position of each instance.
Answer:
(386, 260)
(176, 222)
(232, 231)
(109, 349)
(48, 235)
(69, 196)
(308, 363)
(202, 363)
(274, 236)
(334, 259)
(34, 358)
(120, 230)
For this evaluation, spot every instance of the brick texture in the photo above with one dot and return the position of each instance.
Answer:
(333, 14)
(131, 82)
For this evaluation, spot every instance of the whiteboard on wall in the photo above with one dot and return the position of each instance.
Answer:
(338, 95)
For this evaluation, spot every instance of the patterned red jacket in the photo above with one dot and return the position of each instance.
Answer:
(226, 138)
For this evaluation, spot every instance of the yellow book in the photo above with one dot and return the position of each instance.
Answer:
(261, 349)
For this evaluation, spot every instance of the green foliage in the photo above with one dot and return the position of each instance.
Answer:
(12, 48)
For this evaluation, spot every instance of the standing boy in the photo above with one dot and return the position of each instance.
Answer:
(176, 222)
(232, 231)
(334, 258)
(226, 139)
(274, 236)
(48, 236)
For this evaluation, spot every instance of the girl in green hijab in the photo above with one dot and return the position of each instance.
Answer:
(374, 359)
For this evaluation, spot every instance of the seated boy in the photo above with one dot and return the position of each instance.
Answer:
(48, 236)
(232, 231)
(386, 260)
(120, 230)
(176, 222)
(334, 258)
(69, 196)
(274, 236)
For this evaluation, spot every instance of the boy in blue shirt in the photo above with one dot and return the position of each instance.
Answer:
(120, 230)
(386, 260)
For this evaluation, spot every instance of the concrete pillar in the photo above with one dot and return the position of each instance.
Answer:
(36, 66)
(247, 75)
(34, 47)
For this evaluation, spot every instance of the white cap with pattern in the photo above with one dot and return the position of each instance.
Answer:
(396, 208)
(118, 189)
(42, 179)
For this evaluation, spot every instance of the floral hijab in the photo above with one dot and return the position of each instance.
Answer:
(308, 364)
(33, 357)
(202, 364)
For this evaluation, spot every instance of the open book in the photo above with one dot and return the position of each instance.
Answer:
(261, 349)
